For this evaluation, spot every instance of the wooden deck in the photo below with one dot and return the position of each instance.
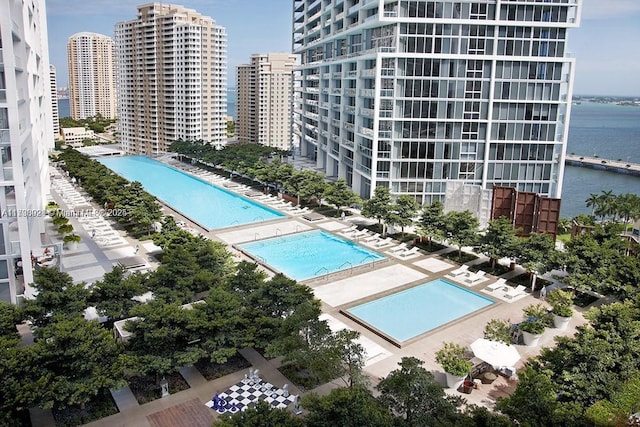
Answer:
(192, 413)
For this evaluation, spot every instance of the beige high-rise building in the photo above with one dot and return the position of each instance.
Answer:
(264, 100)
(172, 79)
(91, 64)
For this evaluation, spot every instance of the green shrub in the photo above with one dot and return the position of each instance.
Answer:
(452, 359)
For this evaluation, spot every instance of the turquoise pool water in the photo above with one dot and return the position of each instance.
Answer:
(208, 205)
(303, 256)
(412, 312)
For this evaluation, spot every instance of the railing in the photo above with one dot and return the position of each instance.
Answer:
(345, 264)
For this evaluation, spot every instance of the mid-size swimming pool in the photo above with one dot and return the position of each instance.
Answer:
(407, 314)
(208, 205)
(303, 256)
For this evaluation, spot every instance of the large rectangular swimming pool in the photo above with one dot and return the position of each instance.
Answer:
(409, 313)
(303, 256)
(210, 206)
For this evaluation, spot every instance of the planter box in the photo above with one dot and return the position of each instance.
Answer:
(467, 387)
(561, 322)
(530, 339)
(454, 381)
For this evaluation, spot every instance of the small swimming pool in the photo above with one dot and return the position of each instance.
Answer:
(303, 256)
(407, 314)
(210, 206)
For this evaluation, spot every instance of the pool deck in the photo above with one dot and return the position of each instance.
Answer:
(364, 284)
(91, 260)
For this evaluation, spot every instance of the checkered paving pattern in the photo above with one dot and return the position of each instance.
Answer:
(239, 396)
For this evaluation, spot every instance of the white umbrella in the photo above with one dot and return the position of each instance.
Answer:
(495, 353)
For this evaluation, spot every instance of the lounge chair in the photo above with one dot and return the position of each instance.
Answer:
(401, 247)
(500, 283)
(360, 233)
(459, 271)
(473, 278)
(381, 243)
(409, 252)
(515, 292)
(371, 238)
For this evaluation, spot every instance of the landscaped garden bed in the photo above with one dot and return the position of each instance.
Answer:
(583, 299)
(453, 256)
(147, 388)
(525, 279)
(433, 247)
(299, 377)
(102, 405)
(211, 371)
(499, 269)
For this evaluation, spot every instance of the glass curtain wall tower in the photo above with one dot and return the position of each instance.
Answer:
(26, 136)
(414, 94)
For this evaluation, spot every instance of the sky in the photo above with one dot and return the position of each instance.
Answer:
(606, 45)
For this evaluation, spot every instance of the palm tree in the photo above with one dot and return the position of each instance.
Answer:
(592, 202)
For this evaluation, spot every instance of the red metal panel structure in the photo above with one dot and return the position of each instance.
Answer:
(503, 202)
(525, 212)
(548, 216)
(528, 212)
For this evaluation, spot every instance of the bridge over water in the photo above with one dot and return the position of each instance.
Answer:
(598, 163)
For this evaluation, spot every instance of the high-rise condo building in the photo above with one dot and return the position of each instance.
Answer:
(264, 100)
(55, 116)
(172, 79)
(92, 84)
(418, 95)
(26, 135)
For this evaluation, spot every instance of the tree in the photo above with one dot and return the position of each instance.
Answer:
(164, 337)
(112, 295)
(57, 297)
(315, 188)
(431, 223)
(307, 344)
(340, 194)
(592, 202)
(412, 393)
(352, 357)
(379, 207)
(346, 407)
(499, 240)
(10, 316)
(461, 229)
(403, 211)
(73, 360)
(222, 325)
(263, 415)
(537, 254)
(535, 402)
(298, 181)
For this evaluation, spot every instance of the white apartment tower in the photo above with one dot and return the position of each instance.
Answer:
(92, 84)
(172, 79)
(26, 135)
(264, 100)
(414, 94)
(55, 116)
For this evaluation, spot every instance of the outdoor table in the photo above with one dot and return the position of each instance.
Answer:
(488, 377)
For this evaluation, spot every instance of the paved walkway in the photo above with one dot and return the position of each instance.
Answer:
(151, 414)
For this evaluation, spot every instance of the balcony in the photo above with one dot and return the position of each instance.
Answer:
(368, 92)
(367, 112)
(366, 131)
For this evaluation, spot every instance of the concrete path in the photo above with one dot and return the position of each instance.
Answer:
(192, 376)
(124, 398)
